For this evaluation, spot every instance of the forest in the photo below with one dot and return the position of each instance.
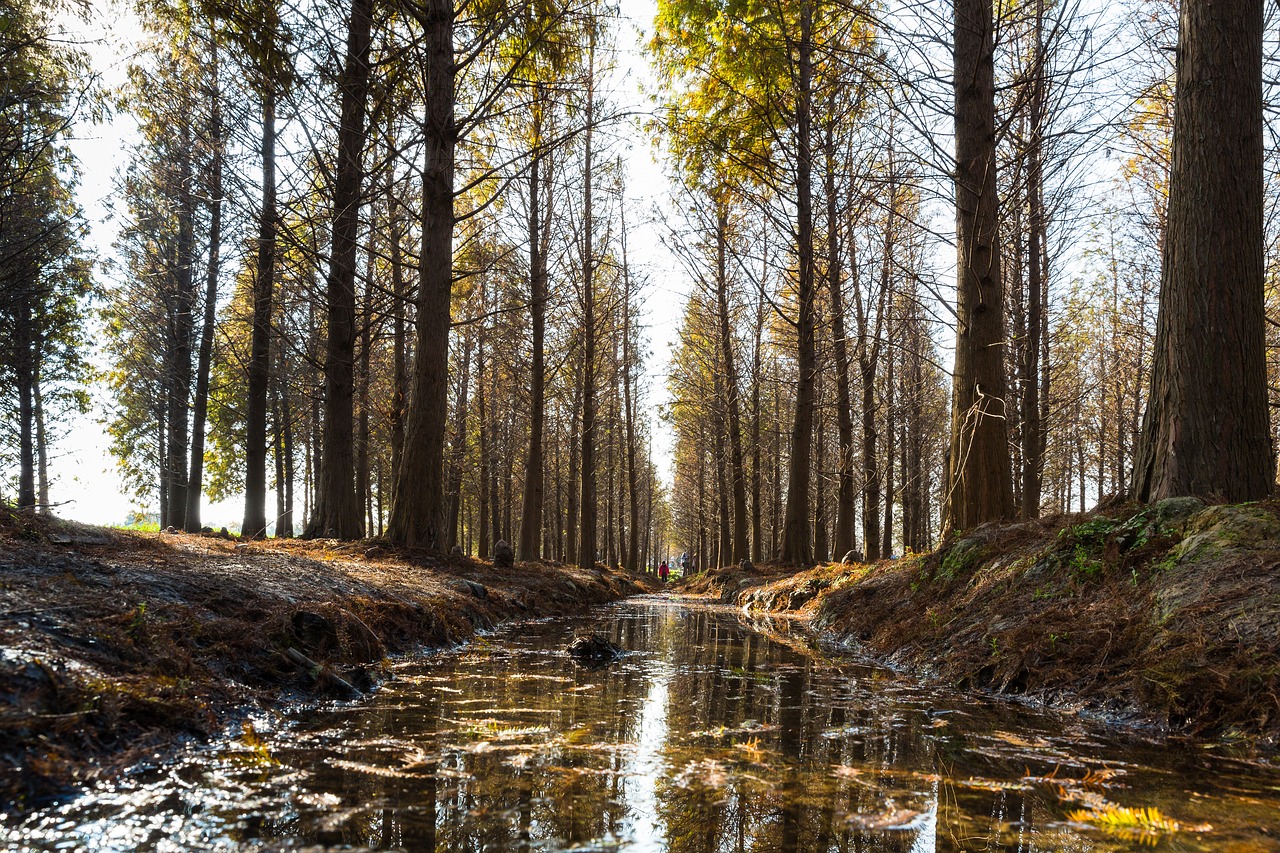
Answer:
(372, 261)
(688, 425)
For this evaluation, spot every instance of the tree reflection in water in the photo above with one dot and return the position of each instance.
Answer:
(714, 733)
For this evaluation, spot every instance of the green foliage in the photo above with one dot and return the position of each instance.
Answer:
(45, 281)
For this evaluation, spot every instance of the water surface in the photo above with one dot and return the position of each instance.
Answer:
(714, 733)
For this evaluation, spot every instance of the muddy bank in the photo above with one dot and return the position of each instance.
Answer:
(117, 646)
(1167, 614)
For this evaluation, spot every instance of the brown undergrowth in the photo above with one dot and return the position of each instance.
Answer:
(116, 646)
(1167, 614)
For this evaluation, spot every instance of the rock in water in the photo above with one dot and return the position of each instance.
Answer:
(504, 556)
(593, 650)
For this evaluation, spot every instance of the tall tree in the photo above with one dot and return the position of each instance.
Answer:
(979, 482)
(337, 511)
(1206, 428)
(418, 513)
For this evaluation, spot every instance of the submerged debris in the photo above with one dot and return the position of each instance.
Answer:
(594, 650)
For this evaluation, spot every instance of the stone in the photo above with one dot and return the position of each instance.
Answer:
(1227, 527)
(504, 556)
(468, 587)
(593, 650)
(1172, 512)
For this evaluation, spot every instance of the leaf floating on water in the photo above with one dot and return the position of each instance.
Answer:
(376, 770)
(993, 785)
(258, 753)
(1146, 824)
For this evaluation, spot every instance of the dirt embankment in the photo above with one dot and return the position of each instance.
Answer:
(115, 646)
(1167, 614)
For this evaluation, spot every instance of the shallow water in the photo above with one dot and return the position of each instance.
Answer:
(714, 733)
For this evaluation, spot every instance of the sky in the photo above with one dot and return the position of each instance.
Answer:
(86, 485)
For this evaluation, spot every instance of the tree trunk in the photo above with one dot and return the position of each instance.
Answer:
(338, 503)
(796, 540)
(1032, 428)
(459, 446)
(25, 374)
(587, 525)
(846, 493)
(204, 361)
(259, 369)
(482, 418)
(633, 486)
(418, 513)
(42, 444)
(534, 478)
(980, 486)
(1206, 431)
(737, 469)
(182, 327)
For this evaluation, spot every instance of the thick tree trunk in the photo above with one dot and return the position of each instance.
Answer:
(796, 540)
(418, 513)
(259, 369)
(980, 486)
(1206, 429)
(338, 503)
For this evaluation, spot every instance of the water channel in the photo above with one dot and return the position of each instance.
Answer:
(714, 733)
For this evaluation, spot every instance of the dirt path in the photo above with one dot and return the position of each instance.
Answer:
(117, 646)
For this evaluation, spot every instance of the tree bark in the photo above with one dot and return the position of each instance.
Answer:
(846, 494)
(534, 480)
(254, 525)
(338, 504)
(204, 360)
(797, 545)
(587, 525)
(1032, 428)
(418, 513)
(980, 485)
(1206, 429)
(741, 542)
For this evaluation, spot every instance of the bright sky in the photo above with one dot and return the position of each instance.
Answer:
(86, 486)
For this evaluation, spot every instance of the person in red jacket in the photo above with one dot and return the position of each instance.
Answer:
(664, 571)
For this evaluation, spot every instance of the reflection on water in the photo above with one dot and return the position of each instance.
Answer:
(712, 734)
